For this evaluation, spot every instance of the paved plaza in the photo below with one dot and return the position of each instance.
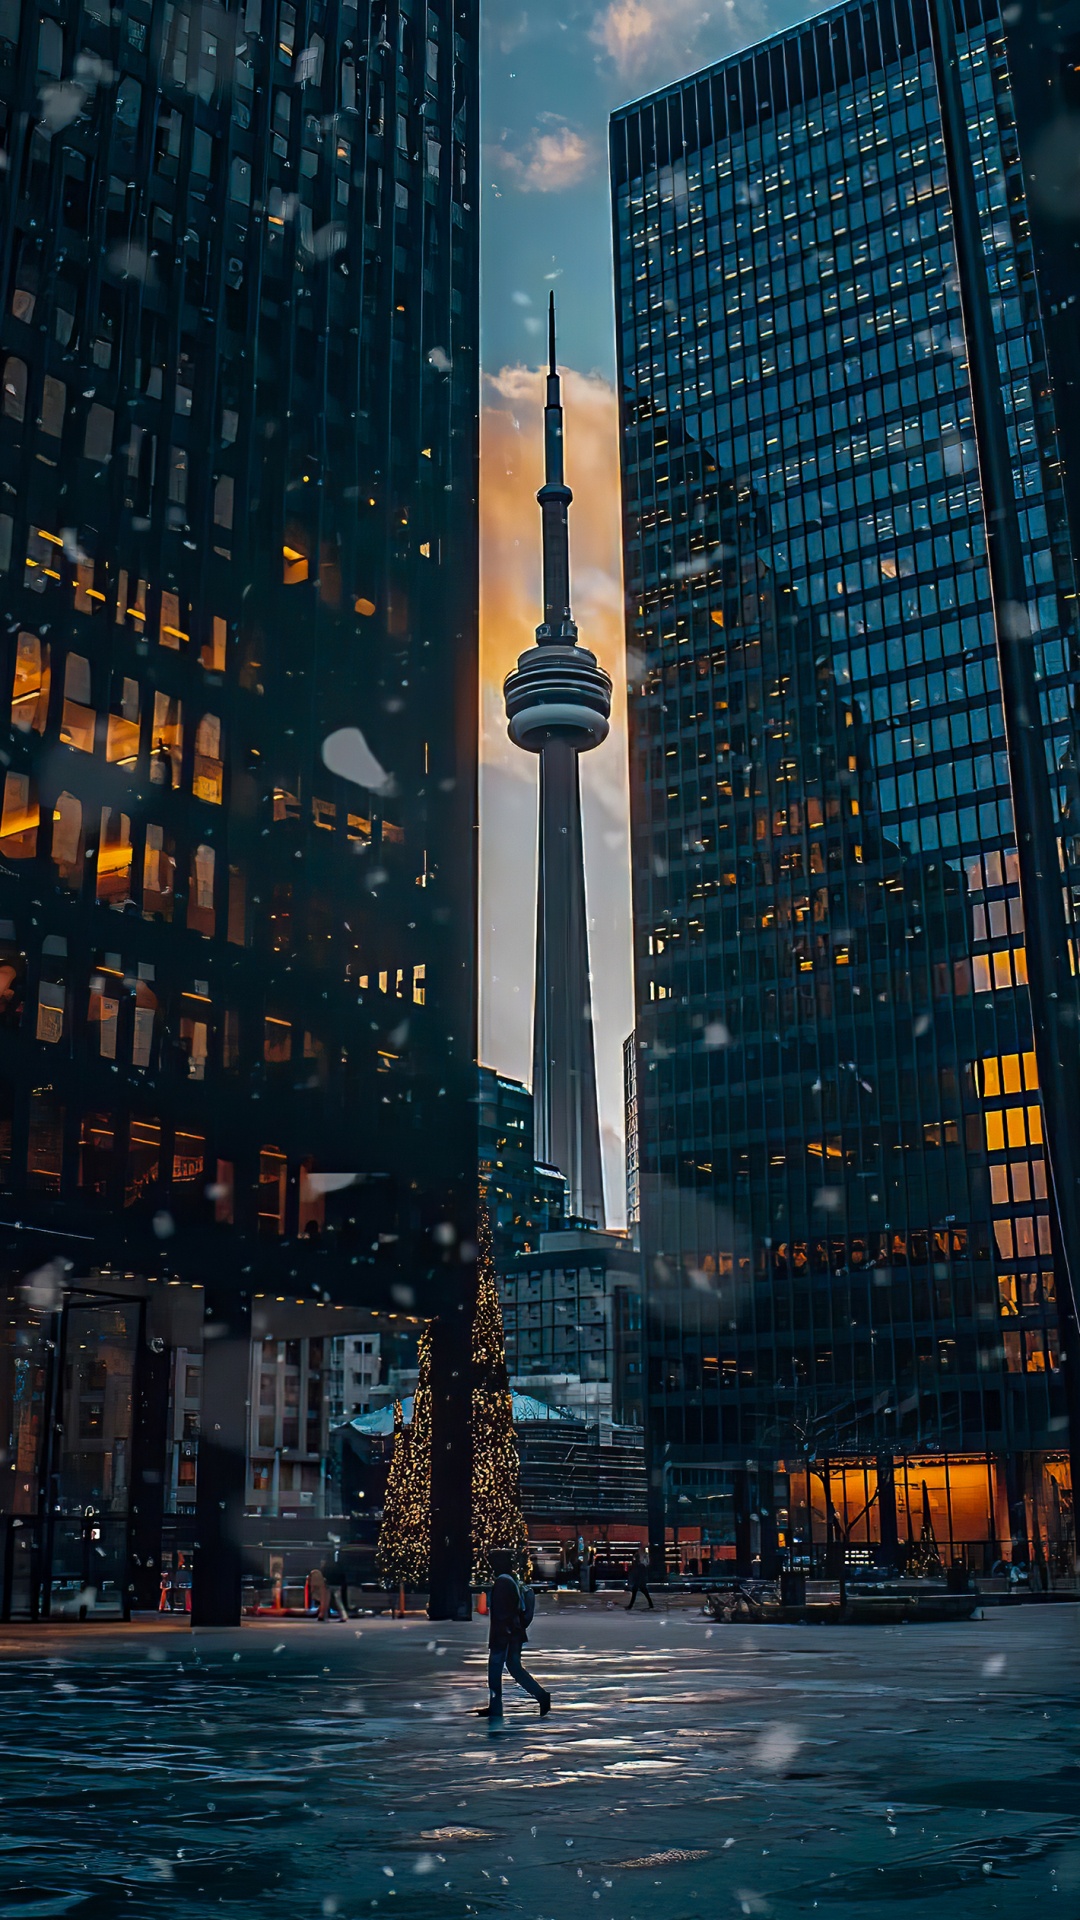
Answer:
(304, 1770)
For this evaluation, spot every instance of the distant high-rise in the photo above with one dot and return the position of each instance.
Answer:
(238, 569)
(847, 302)
(557, 704)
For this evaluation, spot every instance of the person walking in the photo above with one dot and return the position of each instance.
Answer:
(507, 1634)
(337, 1586)
(639, 1574)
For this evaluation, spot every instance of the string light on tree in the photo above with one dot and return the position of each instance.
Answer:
(498, 1521)
(403, 1553)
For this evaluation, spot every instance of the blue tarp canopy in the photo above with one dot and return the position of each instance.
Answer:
(526, 1411)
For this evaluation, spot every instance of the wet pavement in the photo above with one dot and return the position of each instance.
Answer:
(313, 1771)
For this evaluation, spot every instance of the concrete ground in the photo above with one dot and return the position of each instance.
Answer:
(308, 1771)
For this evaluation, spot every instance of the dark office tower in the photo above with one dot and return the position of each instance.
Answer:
(557, 704)
(238, 463)
(855, 1299)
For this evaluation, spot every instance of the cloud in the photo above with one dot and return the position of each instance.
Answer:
(555, 156)
(632, 33)
(512, 470)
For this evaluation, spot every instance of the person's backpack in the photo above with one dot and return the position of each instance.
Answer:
(526, 1603)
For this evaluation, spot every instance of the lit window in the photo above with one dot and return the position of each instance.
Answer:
(194, 1041)
(208, 776)
(122, 738)
(200, 913)
(143, 1161)
(277, 1041)
(104, 1014)
(19, 820)
(170, 631)
(212, 656)
(114, 858)
(77, 719)
(67, 840)
(167, 741)
(295, 566)
(272, 1168)
(50, 1012)
(30, 691)
(159, 873)
(96, 1140)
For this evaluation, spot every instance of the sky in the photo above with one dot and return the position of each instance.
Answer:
(551, 76)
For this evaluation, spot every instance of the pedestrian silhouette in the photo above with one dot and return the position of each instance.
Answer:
(639, 1574)
(509, 1613)
(337, 1586)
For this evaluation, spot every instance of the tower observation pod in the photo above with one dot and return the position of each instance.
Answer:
(558, 701)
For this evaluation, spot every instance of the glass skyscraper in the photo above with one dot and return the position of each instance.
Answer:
(853, 1312)
(238, 574)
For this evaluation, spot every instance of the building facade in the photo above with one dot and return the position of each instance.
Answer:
(854, 1307)
(524, 1200)
(571, 1319)
(238, 459)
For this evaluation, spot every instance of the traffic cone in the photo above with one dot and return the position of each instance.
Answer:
(481, 1605)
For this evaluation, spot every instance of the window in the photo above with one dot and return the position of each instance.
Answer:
(128, 101)
(170, 631)
(212, 655)
(97, 442)
(295, 565)
(45, 1143)
(122, 740)
(142, 1044)
(53, 407)
(96, 1143)
(114, 858)
(188, 1170)
(143, 1169)
(209, 773)
(14, 397)
(50, 49)
(77, 719)
(312, 1202)
(236, 931)
(27, 280)
(223, 501)
(159, 873)
(178, 476)
(19, 820)
(223, 1193)
(50, 1012)
(167, 741)
(200, 913)
(104, 1015)
(194, 1041)
(271, 1191)
(67, 840)
(277, 1041)
(30, 691)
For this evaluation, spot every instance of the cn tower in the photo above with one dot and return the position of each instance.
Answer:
(557, 705)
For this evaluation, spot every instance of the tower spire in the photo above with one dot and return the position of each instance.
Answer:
(554, 500)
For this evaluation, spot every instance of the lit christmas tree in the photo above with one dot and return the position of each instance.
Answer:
(391, 1551)
(403, 1552)
(498, 1521)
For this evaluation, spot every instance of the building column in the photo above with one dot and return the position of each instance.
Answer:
(222, 1467)
(149, 1437)
(450, 1569)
